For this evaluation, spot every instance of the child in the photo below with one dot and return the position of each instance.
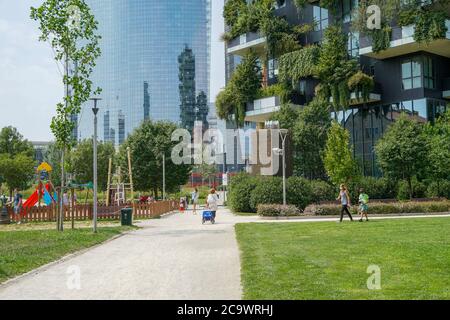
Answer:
(363, 205)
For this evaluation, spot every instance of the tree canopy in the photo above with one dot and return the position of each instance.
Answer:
(147, 144)
(18, 171)
(338, 158)
(81, 162)
(402, 151)
(242, 88)
(12, 143)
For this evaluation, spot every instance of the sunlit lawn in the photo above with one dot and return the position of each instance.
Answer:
(33, 246)
(326, 260)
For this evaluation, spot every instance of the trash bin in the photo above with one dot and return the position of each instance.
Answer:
(126, 216)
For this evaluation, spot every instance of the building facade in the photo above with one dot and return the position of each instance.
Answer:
(410, 77)
(193, 107)
(138, 70)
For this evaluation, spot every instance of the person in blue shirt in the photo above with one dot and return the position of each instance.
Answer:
(18, 203)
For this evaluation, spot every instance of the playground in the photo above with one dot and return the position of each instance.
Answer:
(47, 203)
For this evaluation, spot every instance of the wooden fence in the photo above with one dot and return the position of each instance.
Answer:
(85, 212)
(153, 210)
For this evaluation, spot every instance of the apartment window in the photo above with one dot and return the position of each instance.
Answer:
(347, 9)
(428, 73)
(320, 18)
(302, 87)
(411, 74)
(273, 68)
(353, 44)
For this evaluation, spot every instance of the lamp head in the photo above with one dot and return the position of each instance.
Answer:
(95, 109)
(278, 151)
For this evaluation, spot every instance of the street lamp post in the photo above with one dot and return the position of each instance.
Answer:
(95, 111)
(164, 177)
(282, 151)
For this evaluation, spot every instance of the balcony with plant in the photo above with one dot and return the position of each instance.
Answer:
(405, 27)
(340, 80)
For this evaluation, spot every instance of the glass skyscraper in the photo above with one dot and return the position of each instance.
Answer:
(139, 70)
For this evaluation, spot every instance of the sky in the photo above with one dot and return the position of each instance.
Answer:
(31, 80)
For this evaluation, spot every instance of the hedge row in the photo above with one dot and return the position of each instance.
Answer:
(278, 210)
(384, 208)
(247, 192)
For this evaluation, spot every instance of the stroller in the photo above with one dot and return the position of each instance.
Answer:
(208, 216)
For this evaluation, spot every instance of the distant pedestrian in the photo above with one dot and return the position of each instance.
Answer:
(363, 205)
(344, 197)
(18, 204)
(194, 199)
(65, 199)
(3, 199)
(212, 202)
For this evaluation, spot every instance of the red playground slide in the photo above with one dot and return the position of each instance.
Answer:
(32, 200)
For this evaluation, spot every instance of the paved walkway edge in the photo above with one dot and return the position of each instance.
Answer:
(299, 218)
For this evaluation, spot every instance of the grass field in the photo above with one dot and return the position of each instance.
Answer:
(23, 251)
(325, 260)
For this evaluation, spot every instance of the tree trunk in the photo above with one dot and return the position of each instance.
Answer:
(61, 193)
(438, 188)
(410, 188)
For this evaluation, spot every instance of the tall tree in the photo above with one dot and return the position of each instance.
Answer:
(402, 151)
(242, 88)
(207, 171)
(17, 171)
(81, 160)
(438, 137)
(308, 128)
(12, 143)
(334, 68)
(71, 29)
(53, 157)
(147, 144)
(287, 116)
(310, 137)
(338, 159)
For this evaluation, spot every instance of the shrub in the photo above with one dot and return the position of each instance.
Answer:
(439, 189)
(386, 208)
(268, 191)
(419, 189)
(278, 210)
(299, 192)
(322, 191)
(375, 188)
(241, 187)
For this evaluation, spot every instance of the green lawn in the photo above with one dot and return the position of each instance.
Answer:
(326, 260)
(23, 251)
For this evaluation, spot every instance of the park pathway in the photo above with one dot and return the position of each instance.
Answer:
(171, 258)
